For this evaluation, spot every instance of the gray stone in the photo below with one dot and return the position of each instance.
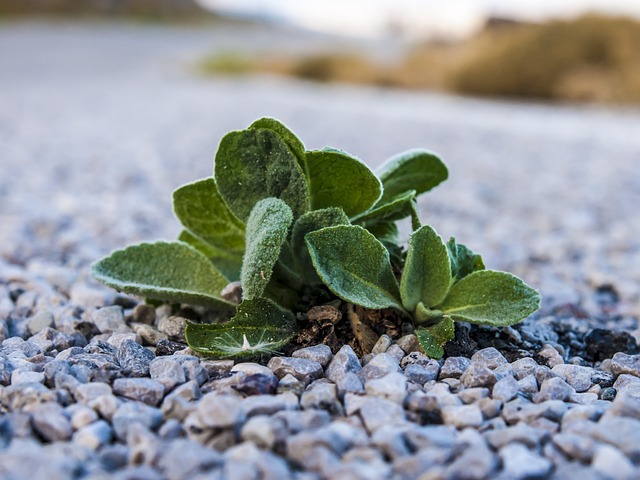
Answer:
(454, 367)
(217, 368)
(250, 368)
(622, 432)
(520, 463)
(520, 433)
(149, 335)
(303, 369)
(321, 395)
(621, 363)
(19, 377)
(144, 313)
(478, 375)
(220, 411)
(269, 404)
(167, 371)
(376, 412)
(523, 367)
(612, 463)
(575, 446)
(318, 353)
(528, 384)
(462, 416)
(87, 392)
(379, 366)
(419, 374)
(265, 432)
(144, 390)
(134, 359)
(109, 319)
(349, 383)
(343, 362)
(576, 376)
(396, 352)
(489, 357)
(553, 389)
(184, 458)
(382, 345)
(173, 327)
(80, 415)
(50, 422)
(93, 436)
(41, 320)
(409, 343)
(625, 406)
(134, 412)
(289, 383)
(117, 339)
(506, 389)
(298, 421)
(391, 387)
(627, 384)
(550, 356)
(193, 370)
(608, 394)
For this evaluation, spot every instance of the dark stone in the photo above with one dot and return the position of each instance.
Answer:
(134, 358)
(608, 394)
(462, 345)
(258, 384)
(167, 347)
(602, 378)
(602, 344)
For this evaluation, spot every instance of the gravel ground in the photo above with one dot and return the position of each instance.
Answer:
(98, 123)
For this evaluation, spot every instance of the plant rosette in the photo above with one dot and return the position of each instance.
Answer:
(285, 221)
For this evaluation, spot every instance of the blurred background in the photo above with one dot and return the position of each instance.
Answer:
(106, 106)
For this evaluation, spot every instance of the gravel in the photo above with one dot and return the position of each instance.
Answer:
(94, 384)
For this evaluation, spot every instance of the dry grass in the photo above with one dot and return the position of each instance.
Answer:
(593, 58)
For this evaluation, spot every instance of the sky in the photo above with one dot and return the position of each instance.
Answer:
(370, 18)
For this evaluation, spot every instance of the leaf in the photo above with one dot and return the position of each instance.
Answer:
(417, 169)
(336, 179)
(394, 209)
(487, 297)
(290, 138)
(427, 271)
(228, 265)
(432, 339)
(267, 230)
(355, 266)
(385, 232)
(254, 164)
(463, 260)
(310, 222)
(202, 211)
(168, 271)
(260, 327)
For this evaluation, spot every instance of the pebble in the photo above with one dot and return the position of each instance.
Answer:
(167, 371)
(521, 463)
(550, 356)
(345, 361)
(134, 359)
(553, 389)
(391, 387)
(489, 357)
(50, 422)
(109, 319)
(612, 463)
(318, 353)
(454, 367)
(576, 376)
(301, 368)
(145, 390)
(134, 412)
(379, 366)
(377, 412)
(506, 389)
(41, 320)
(478, 375)
(93, 436)
(321, 395)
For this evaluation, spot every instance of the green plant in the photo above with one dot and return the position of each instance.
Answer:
(286, 222)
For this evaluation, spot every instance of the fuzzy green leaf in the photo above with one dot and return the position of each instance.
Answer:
(417, 169)
(259, 328)
(336, 179)
(427, 271)
(290, 138)
(267, 230)
(228, 265)
(432, 338)
(386, 232)
(394, 209)
(202, 211)
(463, 260)
(168, 271)
(355, 266)
(254, 164)
(310, 222)
(487, 297)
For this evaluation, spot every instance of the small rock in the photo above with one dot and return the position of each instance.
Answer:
(41, 320)
(377, 412)
(608, 394)
(621, 363)
(506, 389)
(134, 359)
(301, 368)
(321, 395)
(462, 416)
(550, 356)
(193, 370)
(167, 371)
(523, 367)
(419, 374)
(173, 327)
(612, 463)
(345, 361)
(265, 432)
(318, 353)
(151, 336)
(80, 415)
(489, 357)
(391, 387)
(144, 313)
(477, 375)
(554, 389)
(379, 366)
(220, 411)
(382, 345)
(409, 344)
(134, 412)
(576, 376)
(144, 390)
(184, 459)
(109, 319)
(396, 352)
(575, 446)
(50, 422)
(520, 463)
(232, 292)
(93, 436)
(87, 392)
(19, 377)
(521, 433)
(454, 367)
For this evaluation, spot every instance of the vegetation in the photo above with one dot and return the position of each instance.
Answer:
(300, 228)
(592, 58)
